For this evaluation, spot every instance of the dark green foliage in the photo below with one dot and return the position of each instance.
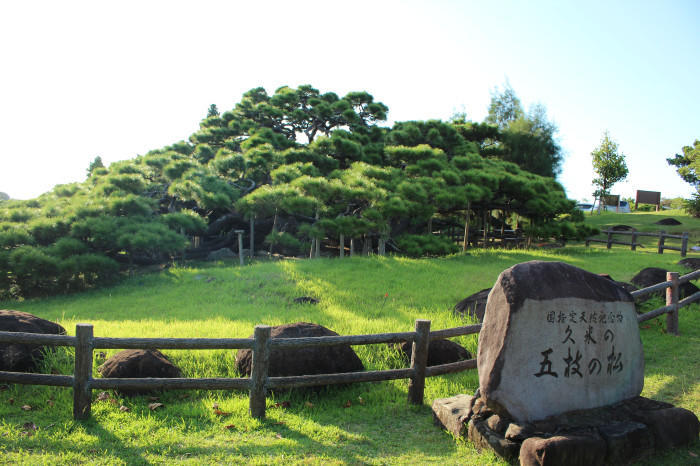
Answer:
(692, 206)
(425, 245)
(285, 242)
(303, 165)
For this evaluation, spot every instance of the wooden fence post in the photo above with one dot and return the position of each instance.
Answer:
(240, 245)
(684, 244)
(662, 238)
(419, 360)
(82, 395)
(342, 245)
(672, 299)
(634, 241)
(258, 373)
(609, 239)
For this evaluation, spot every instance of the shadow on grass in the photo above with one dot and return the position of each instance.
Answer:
(346, 425)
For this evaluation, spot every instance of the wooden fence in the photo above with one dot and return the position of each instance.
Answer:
(259, 382)
(662, 235)
(673, 303)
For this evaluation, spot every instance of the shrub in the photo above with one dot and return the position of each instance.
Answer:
(692, 206)
(426, 245)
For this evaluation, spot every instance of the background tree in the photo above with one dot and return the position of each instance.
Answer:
(688, 164)
(609, 166)
(688, 167)
(526, 139)
(95, 164)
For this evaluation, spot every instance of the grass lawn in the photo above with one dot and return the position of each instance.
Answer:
(646, 222)
(368, 423)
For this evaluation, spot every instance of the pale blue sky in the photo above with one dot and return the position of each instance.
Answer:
(81, 79)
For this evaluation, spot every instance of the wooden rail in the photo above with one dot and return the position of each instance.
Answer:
(259, 382)
(661, 246)
(673, 304)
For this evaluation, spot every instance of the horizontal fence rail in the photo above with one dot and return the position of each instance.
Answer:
(259, 381)
(661, 244)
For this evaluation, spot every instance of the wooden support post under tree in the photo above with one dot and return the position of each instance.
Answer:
(661, 241)
(259, 371)
(240, 245)
(672, 296)
(342, 245)
(634, 241)
(684, 244)
(252, 236)
(419, 361)
(465, 244)
(352, 247)
(82, 395)
(609, 244)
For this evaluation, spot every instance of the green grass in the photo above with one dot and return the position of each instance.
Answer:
(223, 300)
(646, 222)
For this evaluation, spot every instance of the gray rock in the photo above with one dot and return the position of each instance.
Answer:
(137, 364)
(483, 437)
(473, 306)
(17, 357)
(303, 361)
(626, 441)
(569, 450)
(439, 352)
(220, 254)
(671, 427)
(556, 338)
(453, 413)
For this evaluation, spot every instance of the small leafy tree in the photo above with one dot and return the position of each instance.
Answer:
(609, 166)
(688, 168)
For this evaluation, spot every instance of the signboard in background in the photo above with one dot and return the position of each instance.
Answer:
(648, 197)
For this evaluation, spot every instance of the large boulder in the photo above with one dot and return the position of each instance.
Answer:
(692, 263)
(668, 221)
(557, 338)
(627, 286)
(132, 364)
(15, 357)
(474, 305)
(303, 361)
(653, 275)
(439, 352)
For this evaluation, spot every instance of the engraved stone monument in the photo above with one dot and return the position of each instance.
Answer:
(557, 338)
(561, 367)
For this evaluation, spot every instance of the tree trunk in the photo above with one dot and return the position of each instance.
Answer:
(352, 247)
(342, 245)
(366, 241)
(381, 248)
(465, 244)
(274, 228)
(430, 225)
(252, 236)
(486, 230)
(317, 240)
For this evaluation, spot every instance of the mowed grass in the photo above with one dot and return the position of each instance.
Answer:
(646, 222)
(368, 423)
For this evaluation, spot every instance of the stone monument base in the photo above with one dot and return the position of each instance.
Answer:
(617, 434)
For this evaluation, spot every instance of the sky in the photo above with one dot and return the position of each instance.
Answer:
(117, 79)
